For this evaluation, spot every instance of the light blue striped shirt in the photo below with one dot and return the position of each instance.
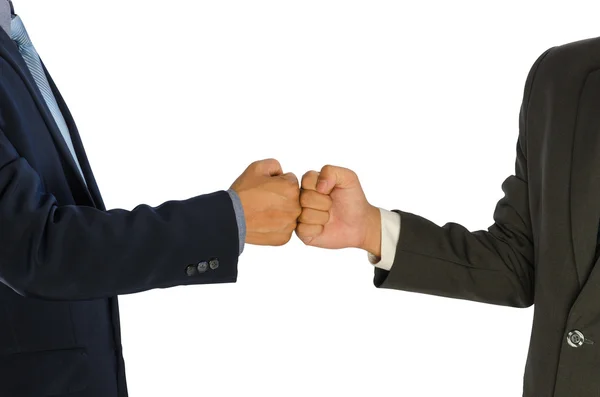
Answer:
(14, 27)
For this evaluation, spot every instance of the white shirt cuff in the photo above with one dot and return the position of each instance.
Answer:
(390, 235)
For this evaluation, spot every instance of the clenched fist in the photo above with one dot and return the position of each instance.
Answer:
(336, 213)
(270, 200)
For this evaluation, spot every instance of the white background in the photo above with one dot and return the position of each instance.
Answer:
(175, 98)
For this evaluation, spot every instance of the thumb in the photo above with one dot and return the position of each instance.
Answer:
(332, 177)
(268, 167)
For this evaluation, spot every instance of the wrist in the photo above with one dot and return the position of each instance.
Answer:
(239, 217)
(372, 239)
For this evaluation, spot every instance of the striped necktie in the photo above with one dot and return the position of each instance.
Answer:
(32, 59)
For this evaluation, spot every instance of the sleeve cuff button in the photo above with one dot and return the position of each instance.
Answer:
(202, 267)
(190, 270)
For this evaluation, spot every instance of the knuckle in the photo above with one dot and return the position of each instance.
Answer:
(309, 180)
(310, 175)
(292, 192)
(277, 242)
(293, 184)
(284, 238)
(286, 217)
(299, 231)
(294, 222)
(304, 231)
(303, 217)
(305, 198)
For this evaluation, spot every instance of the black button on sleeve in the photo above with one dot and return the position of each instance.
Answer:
(214, 263)
(190, 270)
(202, 267)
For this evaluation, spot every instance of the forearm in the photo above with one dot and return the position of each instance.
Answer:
(450, 261)
(74, 252)
(485, 266)
(494, 266)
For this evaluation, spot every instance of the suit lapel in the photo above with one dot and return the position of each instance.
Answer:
(585, 178)
(77, 144)
(10, 52)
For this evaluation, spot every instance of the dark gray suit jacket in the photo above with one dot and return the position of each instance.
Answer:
(541, 248)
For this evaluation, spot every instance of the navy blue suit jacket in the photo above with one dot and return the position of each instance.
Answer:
(64, 258)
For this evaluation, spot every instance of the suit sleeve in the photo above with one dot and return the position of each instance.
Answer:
(76, 252)
(493, 266)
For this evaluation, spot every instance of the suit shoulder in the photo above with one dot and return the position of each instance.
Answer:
(579, 49)
(561, 70)
(571, 60)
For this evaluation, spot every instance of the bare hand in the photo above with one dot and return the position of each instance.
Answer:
(270, 200)
(336, 213)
